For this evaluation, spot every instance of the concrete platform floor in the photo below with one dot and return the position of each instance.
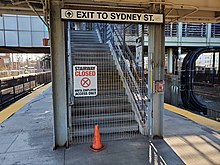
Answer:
(27, 138)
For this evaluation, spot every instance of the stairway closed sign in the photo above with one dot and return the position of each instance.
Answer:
(85, 80)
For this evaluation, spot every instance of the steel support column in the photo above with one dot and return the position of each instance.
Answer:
(170, 61)
(213, 69)
(58, 75)
(209, 31)
(218, 66)
(156, 51)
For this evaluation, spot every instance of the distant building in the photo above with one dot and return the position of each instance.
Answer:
(206, 60)
(4, 61)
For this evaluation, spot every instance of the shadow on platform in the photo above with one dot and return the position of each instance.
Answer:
(120, 152)
(27, 138)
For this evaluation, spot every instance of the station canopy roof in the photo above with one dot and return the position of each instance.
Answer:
(202, 11)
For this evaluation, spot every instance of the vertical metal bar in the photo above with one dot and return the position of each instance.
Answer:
(35, 80)
(179, 35)
(213, 69)
(170, 61)
(209, 33)
(70, 82)
(218, 66)
(142, 40)
(45, 78)
(143, 88)
(0, 93)
(42, 78)
(123, 39)
(29, 80)
(31, 27)
(23, 81)
(38, 79)
(150, 95)
(18, 30)
(58, 75)
(14, 84)
(178, 67)
(3, 19)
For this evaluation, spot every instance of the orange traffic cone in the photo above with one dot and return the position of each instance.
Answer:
(97, 143)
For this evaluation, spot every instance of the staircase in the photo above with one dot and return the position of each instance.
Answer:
(111, 108)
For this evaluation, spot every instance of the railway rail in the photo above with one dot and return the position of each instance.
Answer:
(211, 98)
(14, 88)
(207, 94)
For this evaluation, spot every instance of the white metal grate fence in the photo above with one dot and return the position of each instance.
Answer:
(111, 108)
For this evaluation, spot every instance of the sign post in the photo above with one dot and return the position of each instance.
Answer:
(85, 80)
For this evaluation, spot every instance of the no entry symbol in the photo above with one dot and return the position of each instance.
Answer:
(85, 82)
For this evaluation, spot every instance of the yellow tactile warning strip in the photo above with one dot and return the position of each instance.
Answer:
(10, 110)
(195, 149)
(194, 117)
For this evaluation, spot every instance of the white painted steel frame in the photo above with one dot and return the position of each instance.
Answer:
(59, 80)
(59, 73)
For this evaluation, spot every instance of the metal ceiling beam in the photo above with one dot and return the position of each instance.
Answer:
(175, 10)
(14, 49)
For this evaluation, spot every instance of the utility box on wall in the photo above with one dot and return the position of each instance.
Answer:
(159, 86)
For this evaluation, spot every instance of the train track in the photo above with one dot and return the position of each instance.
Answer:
(14, 88)
(207, 94)
(210, 97)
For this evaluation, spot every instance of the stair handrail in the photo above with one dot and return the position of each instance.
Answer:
(128, 51)
(111, 33)
(128, 54)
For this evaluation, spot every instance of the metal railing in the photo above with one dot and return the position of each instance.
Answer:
(171, 29)
(131, 74)
(215, 30)
(194, 30)
(13, 88)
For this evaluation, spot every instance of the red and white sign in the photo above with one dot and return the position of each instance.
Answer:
(85, 80)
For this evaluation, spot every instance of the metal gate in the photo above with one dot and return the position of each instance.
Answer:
(116, 107)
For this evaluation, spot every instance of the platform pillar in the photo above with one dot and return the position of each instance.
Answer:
(58, 75)
(219, 67)
(156, 53)
(170, 61)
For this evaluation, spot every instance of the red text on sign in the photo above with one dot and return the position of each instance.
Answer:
(85, 73)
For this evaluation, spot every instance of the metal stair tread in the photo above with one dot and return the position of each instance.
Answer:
(110, 128)
(82, 32)
(103, 118)
(90, 44)
(90, 54)
(99, 63)
(90, 50)
(102, 109)
(118, 92)
(111, 108)
(101, 100)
